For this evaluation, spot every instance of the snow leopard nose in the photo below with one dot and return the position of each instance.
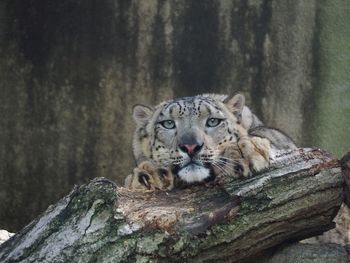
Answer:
(190, 149)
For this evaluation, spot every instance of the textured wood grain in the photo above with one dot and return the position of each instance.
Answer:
(225, 221)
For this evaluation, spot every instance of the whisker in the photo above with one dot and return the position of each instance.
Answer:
(223, 170)
(218, 167)
(226, 158)
(231, 163)
(224, 167)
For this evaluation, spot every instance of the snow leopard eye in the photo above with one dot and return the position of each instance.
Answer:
(213, 122)
(168, 124)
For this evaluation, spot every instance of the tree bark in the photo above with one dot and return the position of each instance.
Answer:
(226, 221)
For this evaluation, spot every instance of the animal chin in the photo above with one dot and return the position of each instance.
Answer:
(192, 173)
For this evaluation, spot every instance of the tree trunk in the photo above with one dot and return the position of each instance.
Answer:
(226, 221)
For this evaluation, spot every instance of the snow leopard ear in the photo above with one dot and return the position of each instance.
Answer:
(142, 114)
(235, 105)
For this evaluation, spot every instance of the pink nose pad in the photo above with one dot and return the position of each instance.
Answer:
(190, 148)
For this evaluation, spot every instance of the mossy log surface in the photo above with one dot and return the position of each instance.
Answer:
(227, 221)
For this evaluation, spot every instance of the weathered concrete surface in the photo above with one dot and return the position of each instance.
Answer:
(70, 72)
(308, 253)
(287, 82)
(331, 122)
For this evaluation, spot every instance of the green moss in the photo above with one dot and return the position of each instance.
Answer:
(142, 259)
(150, 244)
(179, 245)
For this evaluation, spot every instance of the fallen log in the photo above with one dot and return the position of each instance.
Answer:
(227, 222)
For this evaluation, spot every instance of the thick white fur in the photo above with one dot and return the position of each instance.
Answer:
(233, 109)
(193, 173)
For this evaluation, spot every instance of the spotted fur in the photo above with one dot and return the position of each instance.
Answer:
(195, 139)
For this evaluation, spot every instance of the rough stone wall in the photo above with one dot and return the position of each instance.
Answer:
(287, 72)
(331, 100)
(70, 72)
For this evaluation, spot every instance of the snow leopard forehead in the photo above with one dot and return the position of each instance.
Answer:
(211, 98)
(195, 105)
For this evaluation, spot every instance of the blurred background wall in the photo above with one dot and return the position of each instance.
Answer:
(71, 70)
